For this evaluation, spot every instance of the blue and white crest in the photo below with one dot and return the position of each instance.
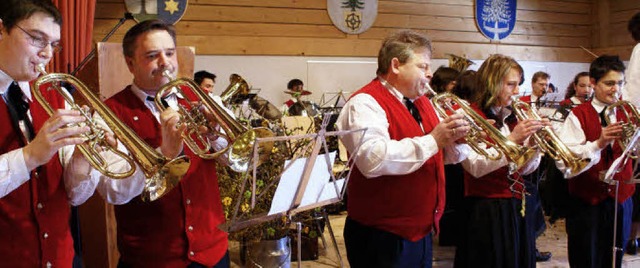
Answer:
(170, 11)
(352, 16)
(496, 18)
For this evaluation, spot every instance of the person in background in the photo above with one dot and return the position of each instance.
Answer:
(295, 88)
(396, 190)
(452, 218)
(539, 87)
(496, 234)
(578, 91)
(593, 201)
(206, 81)
(179, 229)
(444, 79)
(631, 92)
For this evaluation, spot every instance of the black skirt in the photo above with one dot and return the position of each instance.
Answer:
(495, 235)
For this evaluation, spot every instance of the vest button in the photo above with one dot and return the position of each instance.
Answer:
(188, 201)
(45, 235)
(49, 265)
(190, 228)
(39, 206)
(191, 253)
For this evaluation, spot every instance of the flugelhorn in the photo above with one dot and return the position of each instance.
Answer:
(629, 125)
(241, 140)
(516, 154)
(548, 141)
(162, 174)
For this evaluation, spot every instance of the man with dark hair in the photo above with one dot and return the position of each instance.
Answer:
(295, 88)
(181, 228)
(539, 87)
(205, 80)
(593, 201)
(396, 191)
(40, 172)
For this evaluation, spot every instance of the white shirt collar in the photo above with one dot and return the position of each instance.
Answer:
(6, 80)
(598, 105)
(392, 89)
(575, 100)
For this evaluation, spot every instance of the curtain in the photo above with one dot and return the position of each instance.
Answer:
(76, 33)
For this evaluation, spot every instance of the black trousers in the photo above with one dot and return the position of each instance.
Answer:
(369, 247)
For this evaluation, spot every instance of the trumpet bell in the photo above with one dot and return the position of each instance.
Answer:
(240, 151)
(165, 179)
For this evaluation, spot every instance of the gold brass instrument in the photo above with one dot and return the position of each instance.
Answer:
(629, 126)
(162, 173)
(516, 154)
(237, 86)
(241, 140)
(548, 141)
(459, 63)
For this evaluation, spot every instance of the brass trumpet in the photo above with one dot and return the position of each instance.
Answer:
(516, 154)
(548, 141)
(163, 174)
(629, 126)
(241, 140)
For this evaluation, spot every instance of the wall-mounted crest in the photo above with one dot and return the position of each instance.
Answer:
(170, 11)
(352, 16)
(496, 18)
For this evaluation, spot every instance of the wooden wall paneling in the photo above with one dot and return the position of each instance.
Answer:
(624, 5)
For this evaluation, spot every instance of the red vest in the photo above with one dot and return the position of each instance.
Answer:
(526, 99)
(179, 228)
(587, 186)
(34, 218)
(408, 205)
(494, 184)
(566, 103)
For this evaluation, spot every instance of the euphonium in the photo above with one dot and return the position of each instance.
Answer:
(516, 154)
(237, 86)
(630, 124)
(162, 173)
(548, 141)
(241, 140)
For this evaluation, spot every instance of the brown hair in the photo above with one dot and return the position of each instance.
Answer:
(129, 40)
(401, 45)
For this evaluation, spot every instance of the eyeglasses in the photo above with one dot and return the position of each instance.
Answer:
(41, 42)
(611, 83)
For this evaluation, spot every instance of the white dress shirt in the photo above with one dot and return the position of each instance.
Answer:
(631, 91)
(573, 136)
(478, 165)
(13, 169)
(379, 154)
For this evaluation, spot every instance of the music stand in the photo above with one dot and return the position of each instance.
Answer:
(621, 161)
(298, 187)
(334, 99)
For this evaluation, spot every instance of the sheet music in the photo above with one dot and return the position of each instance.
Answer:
(315, 190)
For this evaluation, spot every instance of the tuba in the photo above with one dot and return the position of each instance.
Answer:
(630, 124)
(237, 86)
(516, 154)
(162, 174)
(459, 63)
(241, 140)
(548, 141)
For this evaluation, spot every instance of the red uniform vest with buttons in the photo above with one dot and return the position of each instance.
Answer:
(181, 227)
(408, 205)
(34, 218)
(493, 185)
(526, 99)
(587, 186)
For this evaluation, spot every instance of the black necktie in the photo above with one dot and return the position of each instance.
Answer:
(162, 100)
(603, 119)
(608, 151)
(18, 109)
(413, 110)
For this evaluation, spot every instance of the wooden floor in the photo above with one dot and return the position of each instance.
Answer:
(554, 240)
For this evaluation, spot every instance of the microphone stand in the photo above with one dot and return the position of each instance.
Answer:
(127, 16)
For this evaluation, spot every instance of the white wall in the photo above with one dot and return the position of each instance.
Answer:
(332, 74)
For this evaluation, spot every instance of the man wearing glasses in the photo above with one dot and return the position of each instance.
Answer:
(590, 211)
(40, 175)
